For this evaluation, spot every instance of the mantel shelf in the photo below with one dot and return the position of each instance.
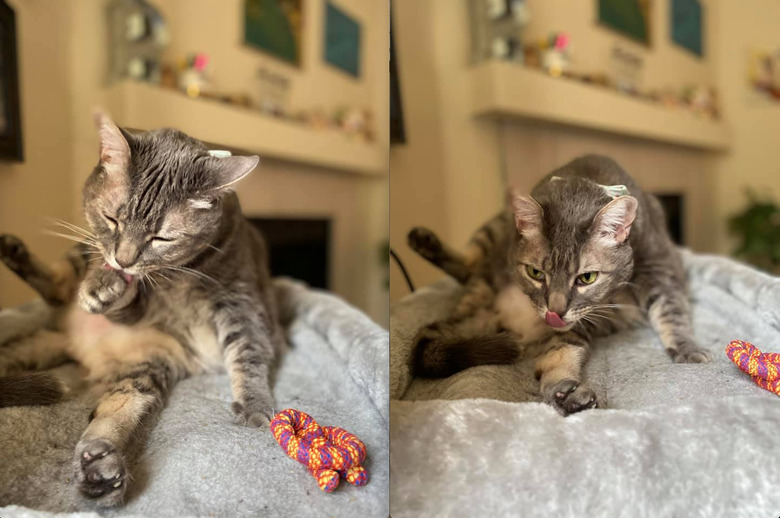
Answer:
(145, 107)
(508, 90)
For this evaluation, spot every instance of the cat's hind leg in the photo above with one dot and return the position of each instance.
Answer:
(56, 283)
(430, 247)
(132, 397)
(559, 371)
(41, 350)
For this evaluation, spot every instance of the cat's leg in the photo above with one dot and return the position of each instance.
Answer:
(249, 338)
(41, 350)
(430, 247)
(132, 397)
(56, 283)
(559, 371)
(663, 294)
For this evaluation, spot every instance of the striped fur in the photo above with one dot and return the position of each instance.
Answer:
(169, 281)
(568, 226)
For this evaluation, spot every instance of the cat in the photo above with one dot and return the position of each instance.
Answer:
(170, 281)
(585, 255)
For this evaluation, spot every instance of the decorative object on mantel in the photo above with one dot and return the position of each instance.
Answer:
(764, 73)
(193, 75)
(687, 21)
(10, 117)
(630, 18)
(497, 29)
(626, 70)
(137, 37)
(274, 91)
(342, 40)
(275, 26)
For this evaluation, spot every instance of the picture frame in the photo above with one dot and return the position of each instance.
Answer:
(11, 148)
(631, 18)
(276, 28)
(343, 40)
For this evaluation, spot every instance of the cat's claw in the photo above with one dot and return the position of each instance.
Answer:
(570, 396)
(690, 355)
(100, 472)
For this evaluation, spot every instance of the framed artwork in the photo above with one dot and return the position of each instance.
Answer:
(342, 40)
(687, 21)
(275, 26)
(630, 18)
(10, 117)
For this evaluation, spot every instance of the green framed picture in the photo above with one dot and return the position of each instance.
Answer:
(630, 18)
(275, 26)
(687, 25)
(342, 40)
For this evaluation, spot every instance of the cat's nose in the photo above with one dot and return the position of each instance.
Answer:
(557, 303)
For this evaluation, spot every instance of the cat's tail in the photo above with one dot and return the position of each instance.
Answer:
(30, 388)
(442, 356)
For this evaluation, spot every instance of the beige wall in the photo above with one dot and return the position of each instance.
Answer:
(452, 174)
(36, 189)
(63, 79)
(754, 159)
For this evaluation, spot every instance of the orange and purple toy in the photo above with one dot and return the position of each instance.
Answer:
(764, 368)
(328, 452)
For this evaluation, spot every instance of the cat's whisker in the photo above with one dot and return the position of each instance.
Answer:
(73, 228)
(77, 239)
(192, 272)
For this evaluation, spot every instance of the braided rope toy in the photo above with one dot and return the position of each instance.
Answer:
(764, 368)
(327, 451)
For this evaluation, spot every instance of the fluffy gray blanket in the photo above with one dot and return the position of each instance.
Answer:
(197, 462)
(674, 440)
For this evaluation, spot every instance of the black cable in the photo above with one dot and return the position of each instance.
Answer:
(403, 270)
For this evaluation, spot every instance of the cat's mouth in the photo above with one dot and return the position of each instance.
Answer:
(128, 277)
(555, 321)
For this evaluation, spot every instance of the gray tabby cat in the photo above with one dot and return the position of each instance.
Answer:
(569, 263)
(171, 281)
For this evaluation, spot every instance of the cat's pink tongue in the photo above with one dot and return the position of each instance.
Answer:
(126, 276)
(553, 320)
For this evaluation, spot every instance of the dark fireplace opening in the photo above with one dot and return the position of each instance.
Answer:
(298, 248)
(674, 207)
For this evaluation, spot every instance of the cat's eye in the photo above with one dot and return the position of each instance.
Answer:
(112, 223)
(533, 273)
(587, 278)
(160, 240)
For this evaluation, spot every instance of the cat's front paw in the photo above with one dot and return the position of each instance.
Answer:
(255, 413)
(100, 472)
(100, 290)
(570, 396)
(690, 353)
(13, 252)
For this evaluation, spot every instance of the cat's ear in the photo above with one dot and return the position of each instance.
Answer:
(612, 224)
(114, 148)
(527, 212)
(230, 169)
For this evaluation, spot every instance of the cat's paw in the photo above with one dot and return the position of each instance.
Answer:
(570, 396)
(100, 472)
(13, 252)
(254, 414)
(424, 242)
(100, 290)
(690, 354)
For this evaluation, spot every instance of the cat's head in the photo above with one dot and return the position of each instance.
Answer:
(573, 251)
(153, 201)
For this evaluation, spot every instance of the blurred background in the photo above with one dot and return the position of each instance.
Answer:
(302, 83)
(684, 94)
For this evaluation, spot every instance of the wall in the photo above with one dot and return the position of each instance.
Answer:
(451, 175)
(62, 144)
(754, 159)
(37, 189)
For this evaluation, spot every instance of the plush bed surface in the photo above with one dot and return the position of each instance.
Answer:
(673, 440)
(197, 462)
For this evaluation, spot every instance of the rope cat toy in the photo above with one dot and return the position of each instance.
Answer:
(764, 368)
(328, 452)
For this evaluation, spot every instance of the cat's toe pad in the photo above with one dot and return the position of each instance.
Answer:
(691, 355)
(100, 472)
(570, 396)
(254, 415)
(12, 250)
(423, 241)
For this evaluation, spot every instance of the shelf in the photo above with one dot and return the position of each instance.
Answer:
(508, 90)
(144, 106)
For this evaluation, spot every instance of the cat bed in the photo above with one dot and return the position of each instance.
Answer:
(197, 462)
(673, 440)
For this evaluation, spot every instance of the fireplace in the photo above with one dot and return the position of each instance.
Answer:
(298, 248)
(674, 207)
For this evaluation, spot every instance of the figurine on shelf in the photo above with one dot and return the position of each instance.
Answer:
(137, 37)
(555, 54)
(193, 76)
